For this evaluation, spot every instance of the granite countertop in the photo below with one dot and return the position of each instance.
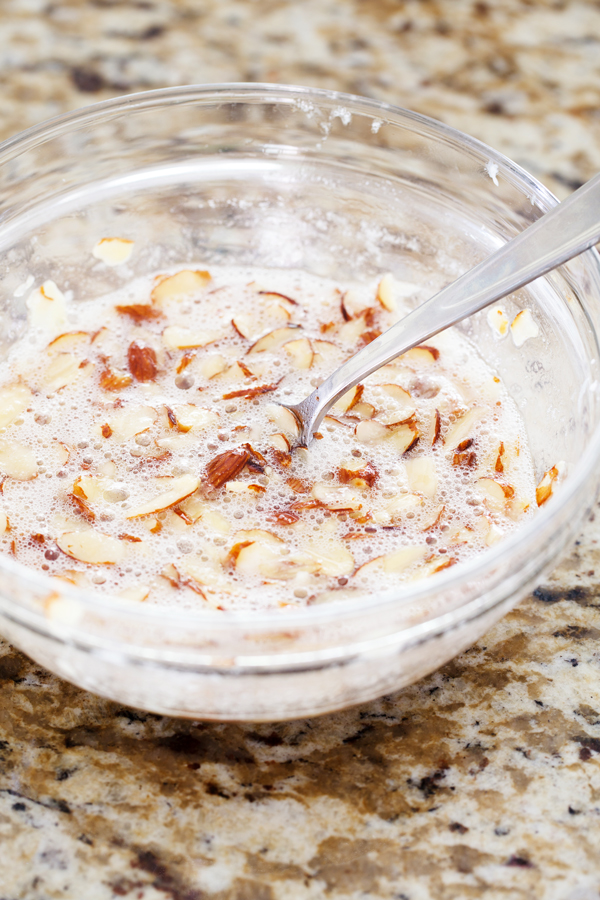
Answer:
(482, 780)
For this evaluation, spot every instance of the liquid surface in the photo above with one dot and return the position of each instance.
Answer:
(144, 452)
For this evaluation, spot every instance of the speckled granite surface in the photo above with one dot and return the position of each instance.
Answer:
(483, 780)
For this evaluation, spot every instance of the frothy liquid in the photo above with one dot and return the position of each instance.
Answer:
(145, 453)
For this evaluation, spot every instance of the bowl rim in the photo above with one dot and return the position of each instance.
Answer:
(304, 618)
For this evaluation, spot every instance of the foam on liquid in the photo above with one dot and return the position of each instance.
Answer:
(320, 553)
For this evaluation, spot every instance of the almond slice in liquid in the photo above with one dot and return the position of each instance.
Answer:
(183, 284)
(17, 461)
(176, 337)
(92, 547)
(422, 477)
(14, 399)
(385, 292)
(272, 341)
(179, 489)
(113, 251)
(129, 421)
(47, 307)
(300, 353)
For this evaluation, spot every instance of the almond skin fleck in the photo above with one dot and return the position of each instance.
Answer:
(466, 458)
(111, 380)
(106, 431)
(224, 467)
(251, 391)
(142, 362)
(436, 428)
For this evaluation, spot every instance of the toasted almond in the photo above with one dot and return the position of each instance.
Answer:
(183, 284)
(545, 488)
(17, 461)
(421, 356)
(248, 393)
(422, 476)
(47, 307)
(385, 292)
(92, 546)
(179, 489)
(14, 398)
(523, 327)
(225, 466)
(364, 476)
(141, 360)
(300, 352)
(113, 251)
(498, 321)
(179, 338)
(272, 341)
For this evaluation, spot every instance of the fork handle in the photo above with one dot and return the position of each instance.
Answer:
(562, 233)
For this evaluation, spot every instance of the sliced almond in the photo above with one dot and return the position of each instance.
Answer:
(264, 537)
(211, 366)
(253, 558)
(371, 431)
(498, 321)
(463, 428)
(70, 342)
(179, 338)
(113, 379)
(47, 307)
(280, 442)
(129, 421)
(179, 489)
(350, 332)
(495, 493)
(245, 488)
(91, 546)
(194, 418)
(183, 284)
(523, 327)
(14, 399)
(398, 507)
(64, 369)
(349, 399)
(113, 251)
(17, 461)
(140, 312)
(385, 292)
(300, 353)
(392, 563)
(422, 476)
(545, 488)
(283, 419)
(431, 519)
(327, 354)
(90, 487)
(403, 436)
(336, 497)
(363, 409)
(272, 341)
(252, 325)
(421, 356)
(399, 394)
(332, 557)
(4, 523)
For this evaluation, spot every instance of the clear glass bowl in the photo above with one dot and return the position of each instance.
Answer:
(342, 187)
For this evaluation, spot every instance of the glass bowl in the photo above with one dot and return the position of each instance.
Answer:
(342, 187)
